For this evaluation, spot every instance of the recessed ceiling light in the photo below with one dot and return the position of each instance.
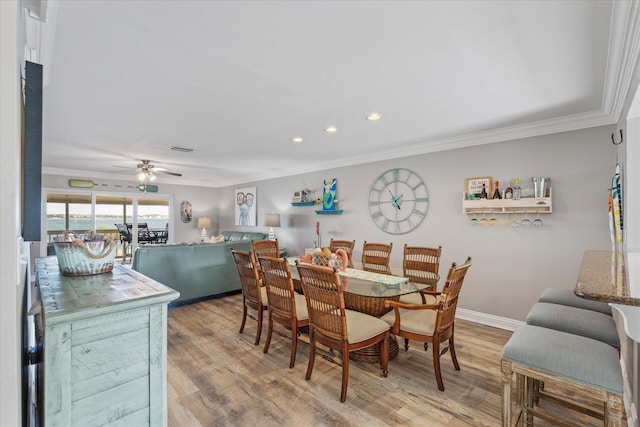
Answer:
(331, 129)
(296, 139)
(373, 117)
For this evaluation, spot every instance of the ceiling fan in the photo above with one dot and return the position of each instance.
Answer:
(147, 171)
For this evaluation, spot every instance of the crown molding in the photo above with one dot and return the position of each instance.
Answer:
(510, 133)
(622, 60)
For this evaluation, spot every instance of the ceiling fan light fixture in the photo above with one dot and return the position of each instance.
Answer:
(141, 176)
(151, 176)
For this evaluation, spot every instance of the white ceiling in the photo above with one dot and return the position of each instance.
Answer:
(236, 81)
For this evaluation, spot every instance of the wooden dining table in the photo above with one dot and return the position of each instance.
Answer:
(366, 292)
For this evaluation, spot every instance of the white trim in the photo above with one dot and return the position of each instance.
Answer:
(629, 404)
(488, 319)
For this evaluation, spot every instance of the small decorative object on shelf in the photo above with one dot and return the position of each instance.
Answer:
(475, 185)
(508, 192)
(517, 191)
(496, 192)
(329, 200)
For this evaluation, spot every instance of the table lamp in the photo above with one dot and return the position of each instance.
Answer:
(272, 220)
(204, 223)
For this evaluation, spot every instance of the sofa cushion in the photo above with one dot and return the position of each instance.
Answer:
(230, 236)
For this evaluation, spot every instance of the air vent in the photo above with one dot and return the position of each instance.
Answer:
(184, 150)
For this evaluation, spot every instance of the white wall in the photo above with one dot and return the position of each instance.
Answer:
(511, 267)
(11, 289)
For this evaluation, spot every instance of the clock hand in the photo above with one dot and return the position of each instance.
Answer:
(399, 198)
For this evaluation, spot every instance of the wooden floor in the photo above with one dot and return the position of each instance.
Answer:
(217, 377)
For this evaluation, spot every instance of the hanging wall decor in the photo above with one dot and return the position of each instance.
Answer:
(245, 206)
(185, 211)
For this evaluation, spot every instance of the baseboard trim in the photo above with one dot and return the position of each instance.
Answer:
(488, 319)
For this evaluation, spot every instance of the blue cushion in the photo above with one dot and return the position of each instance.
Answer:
(570, 356)
(231, 236)
(567, 297)
(586, 323)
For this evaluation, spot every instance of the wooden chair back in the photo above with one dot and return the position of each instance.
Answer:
(249, 279)
(285, 306)
(325, 303)
(265, 248)
(449, 296)
(376, 257)
(276, 276)
(422, 265)
(252, 294)
(346, 245)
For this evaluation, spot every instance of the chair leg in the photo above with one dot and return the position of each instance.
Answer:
(259, 331)
(406, 344)
(507, 378)
(435, 346)
(244, 316)
(312, 355)
(267, 342)
(345, 374)
(384, 352)
(452, 349)
(294, 345)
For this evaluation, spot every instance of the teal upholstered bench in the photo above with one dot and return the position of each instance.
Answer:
(587, 369)
(586, 323)
(567, 297)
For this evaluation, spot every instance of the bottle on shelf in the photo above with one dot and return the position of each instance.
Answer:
(496, 192)
(517, 191)
(483, 193)
(508, 192)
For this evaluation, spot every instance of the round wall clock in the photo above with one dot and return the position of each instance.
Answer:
(398, 201)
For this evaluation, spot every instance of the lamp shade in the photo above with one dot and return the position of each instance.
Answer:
(272, 220)
(204, 222)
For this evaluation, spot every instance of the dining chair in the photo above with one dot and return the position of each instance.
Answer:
(421, 265)
(346, 245)
(331, 324)
(268, 248)
(376, 257)
(285, 306)
(254, 296)
(432, 323)
(125, 241)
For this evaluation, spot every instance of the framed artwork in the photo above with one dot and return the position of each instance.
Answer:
(474, 185)
(297, 197)
(185, 211)
(245, 206)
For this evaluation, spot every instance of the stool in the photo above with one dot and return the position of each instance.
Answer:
(567, 297)
(577, 321)
(585, 368)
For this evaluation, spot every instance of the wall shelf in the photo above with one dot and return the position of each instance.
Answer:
(507, 206)
(303, 203)
(335, 212)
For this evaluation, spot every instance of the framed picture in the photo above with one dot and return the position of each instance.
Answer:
(185, 211)
(245, 206)
(297, 197)
(474, 185)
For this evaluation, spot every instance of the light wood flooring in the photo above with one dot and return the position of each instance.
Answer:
(218, 377)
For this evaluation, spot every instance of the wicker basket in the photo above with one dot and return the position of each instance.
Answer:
(82, 258)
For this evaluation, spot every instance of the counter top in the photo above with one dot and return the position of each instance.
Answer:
(610, 277)
(65, 297)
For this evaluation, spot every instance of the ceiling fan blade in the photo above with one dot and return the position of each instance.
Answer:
(169, 173)
(124, 167)
(157, 169)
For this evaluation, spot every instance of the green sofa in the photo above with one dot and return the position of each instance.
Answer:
(197, 270)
